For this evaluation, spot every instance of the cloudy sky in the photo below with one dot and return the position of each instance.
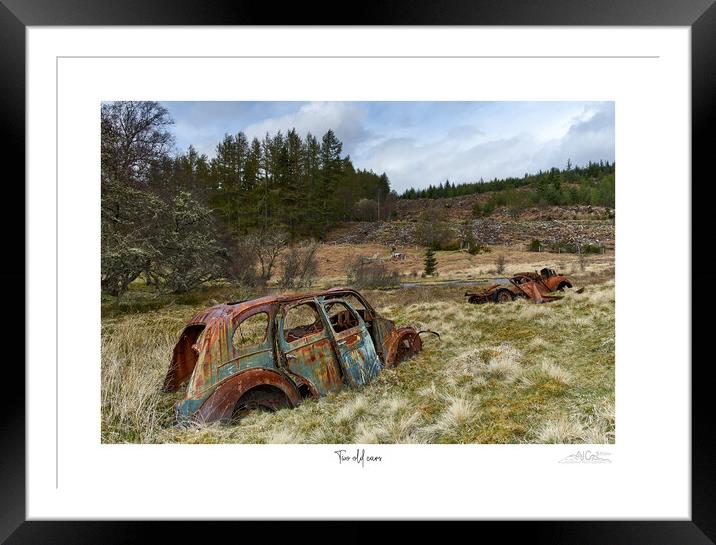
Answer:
(420, 143)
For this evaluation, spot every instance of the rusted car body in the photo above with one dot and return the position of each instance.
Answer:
(531, 285)
(273, 352)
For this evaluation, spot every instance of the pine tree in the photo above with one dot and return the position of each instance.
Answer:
(311, 185)
(431, 263)
(331, 170)
(251, 188)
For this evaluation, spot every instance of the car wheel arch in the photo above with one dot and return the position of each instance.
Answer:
(220, 404)
(409, 334)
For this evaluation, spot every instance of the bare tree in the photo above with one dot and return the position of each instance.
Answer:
(266, 247)
(134, 136)
(501, 262)
(582, 260)
(299, 265)
(241, 262)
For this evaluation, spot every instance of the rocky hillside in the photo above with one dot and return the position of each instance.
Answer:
(551, 225)
(460, 209)
(504, 232)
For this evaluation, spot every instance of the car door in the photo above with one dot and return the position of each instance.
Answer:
(251, 343)
(354, 346)
(306, 346)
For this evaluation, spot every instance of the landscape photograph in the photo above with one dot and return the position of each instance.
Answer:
(357, 272)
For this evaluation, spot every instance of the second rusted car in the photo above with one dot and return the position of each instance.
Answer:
(531, 285)
(272, 352)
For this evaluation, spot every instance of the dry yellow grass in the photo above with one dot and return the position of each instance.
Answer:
(458, 265)
(510, 373)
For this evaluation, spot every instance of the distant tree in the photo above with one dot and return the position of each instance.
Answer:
(466, 236)
(364, 210)
(431, 263)
(545, 187)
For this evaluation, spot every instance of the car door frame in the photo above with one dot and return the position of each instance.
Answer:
(371, 364)
(323, 380)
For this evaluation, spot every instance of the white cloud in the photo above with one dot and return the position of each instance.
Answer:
(418, 144)
(467, 153)
(345, 118)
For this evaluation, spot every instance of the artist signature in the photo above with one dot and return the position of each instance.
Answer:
(360, 457)
(587, 457)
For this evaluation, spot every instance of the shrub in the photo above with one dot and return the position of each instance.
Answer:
(489, 207)
(478, 248)
(362, 273)
(564, 247)
(434, 231)
(574, 248)
(535, 245)
(447, 245)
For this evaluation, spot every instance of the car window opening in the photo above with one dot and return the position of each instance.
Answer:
(301, 321)
(340, 316)
(251, 331)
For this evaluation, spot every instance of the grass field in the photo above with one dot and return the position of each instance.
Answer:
(512, 373)
(456, 265)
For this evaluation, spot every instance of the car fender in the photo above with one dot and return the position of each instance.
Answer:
(396, 344)
(220, 404)
(562, 282)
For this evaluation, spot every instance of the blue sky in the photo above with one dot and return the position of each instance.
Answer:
(419, 143)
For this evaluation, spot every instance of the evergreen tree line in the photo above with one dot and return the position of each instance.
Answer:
(179, 220)
(591, 184)
(300, 184)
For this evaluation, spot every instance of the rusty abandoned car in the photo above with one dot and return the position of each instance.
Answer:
(530, 285)
(272, 352)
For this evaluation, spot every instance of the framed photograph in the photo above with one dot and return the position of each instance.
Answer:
(428, 266)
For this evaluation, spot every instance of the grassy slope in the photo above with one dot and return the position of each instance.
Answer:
(500, 374)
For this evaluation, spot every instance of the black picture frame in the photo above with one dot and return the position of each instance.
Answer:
(16, 15)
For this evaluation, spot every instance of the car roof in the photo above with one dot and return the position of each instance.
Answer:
(238, 307)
